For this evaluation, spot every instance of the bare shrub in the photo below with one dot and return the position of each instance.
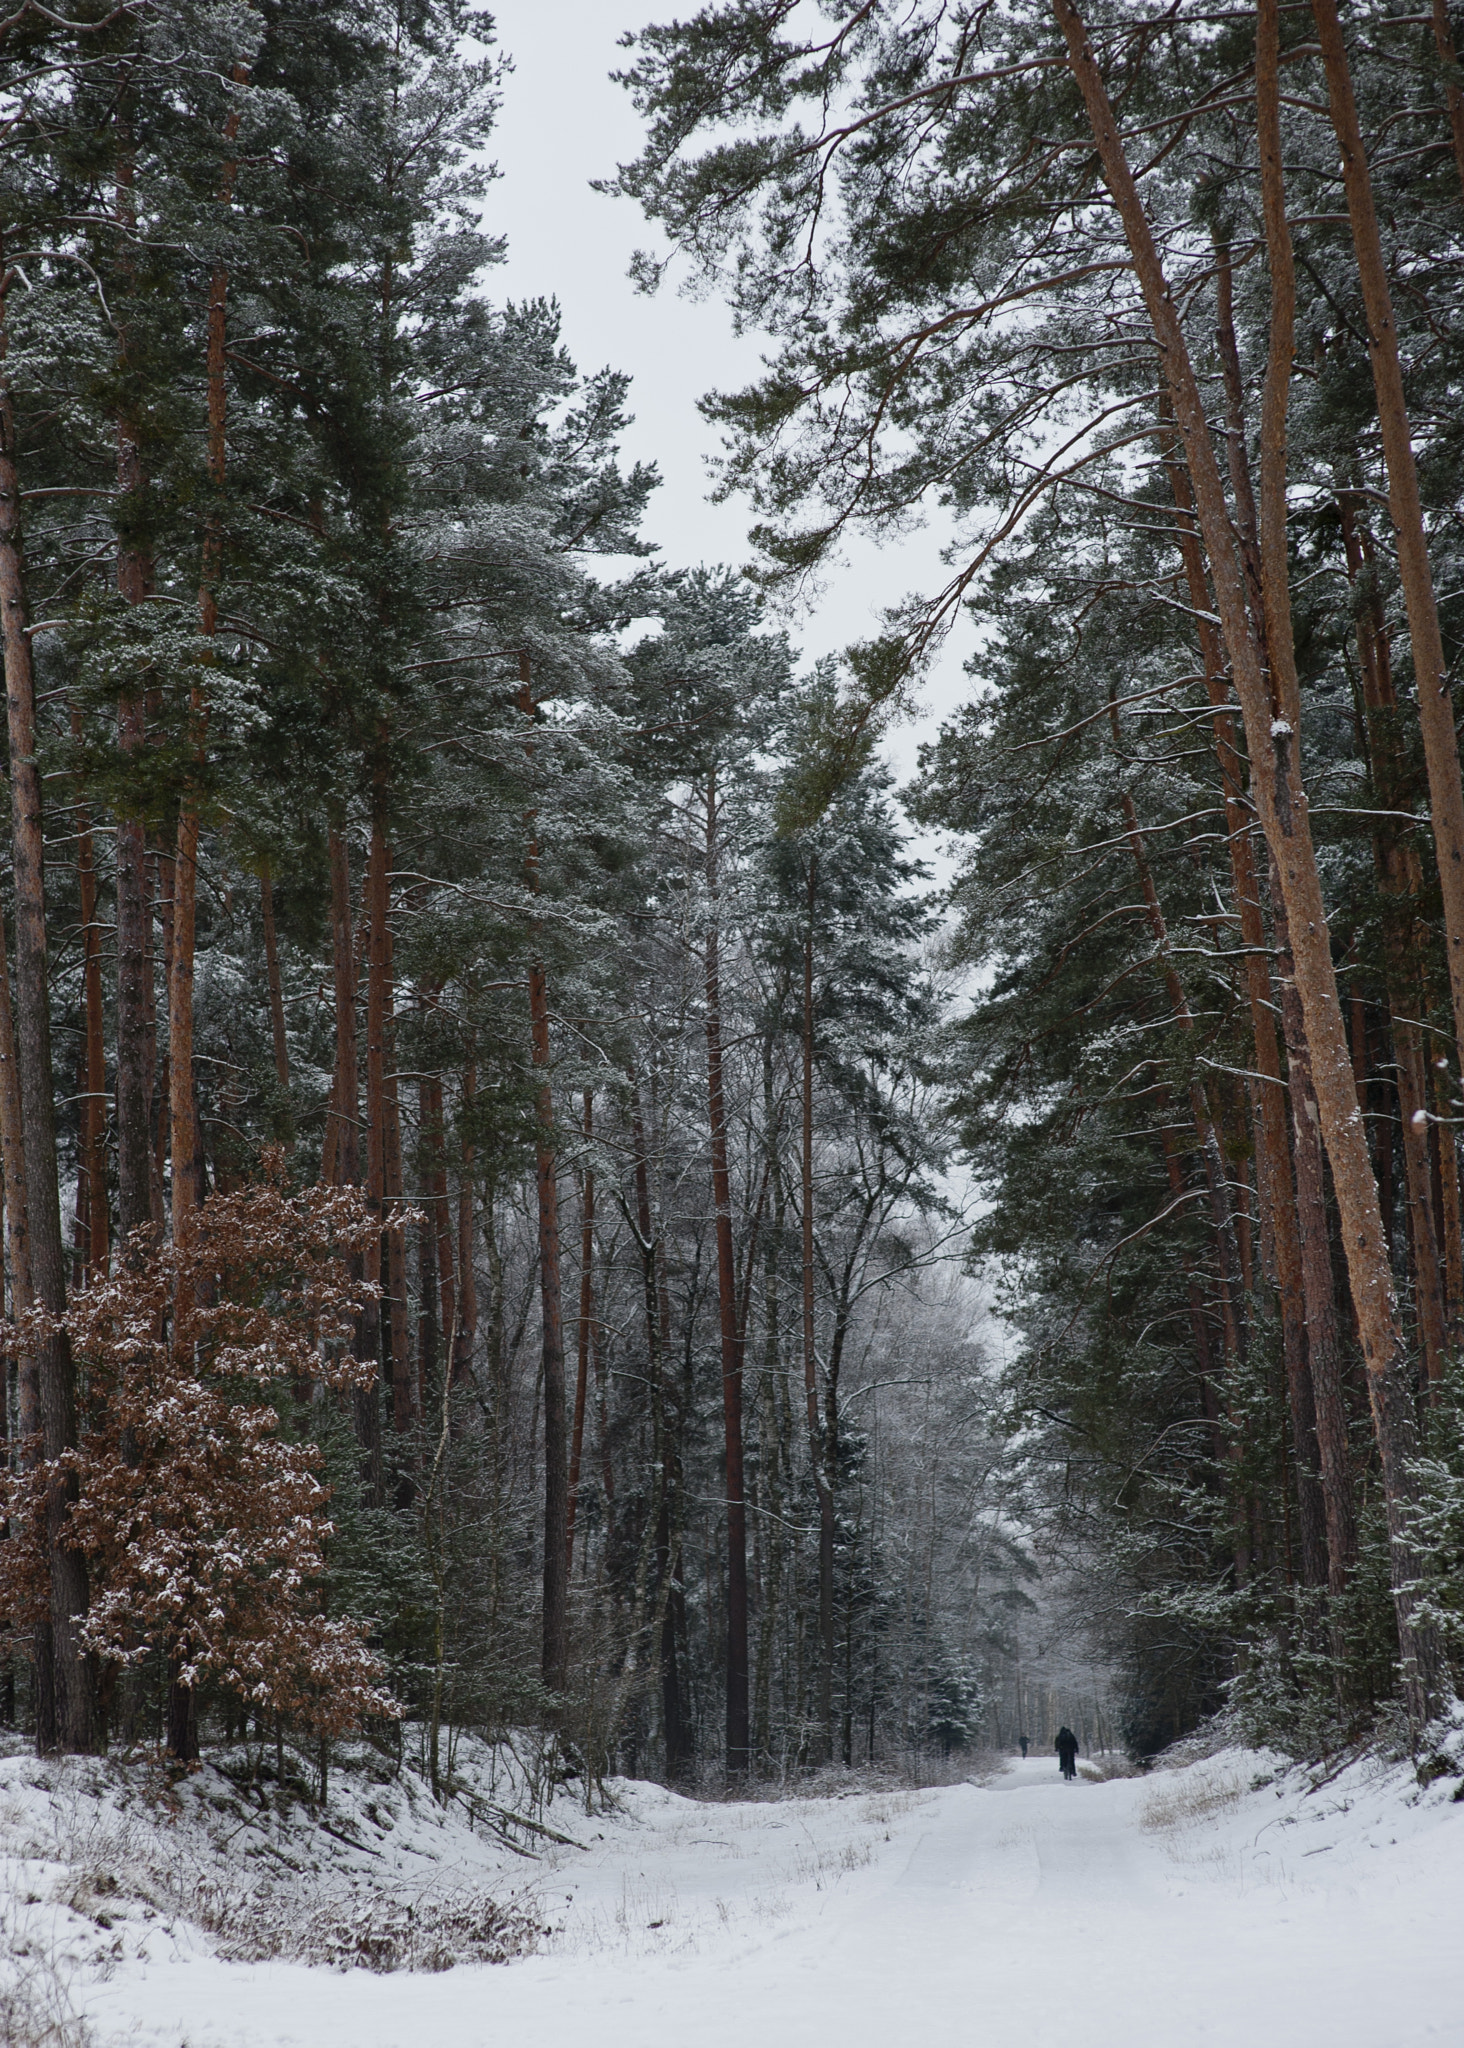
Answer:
(1108, 1765)
(375, 1933)
(35, 2006)
(1189, 1803)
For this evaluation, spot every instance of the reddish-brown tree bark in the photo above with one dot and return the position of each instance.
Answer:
(1405, 505)
(1324, 1351)
(1400, 880)
(1277, 1192)
(136, 1208)
(586, 1319)
(17, 1201)
(72, 1725)
(1451, 1207)
(1453, 97)
(1271, 733)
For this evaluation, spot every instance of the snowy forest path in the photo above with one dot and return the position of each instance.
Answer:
(1198, 1906)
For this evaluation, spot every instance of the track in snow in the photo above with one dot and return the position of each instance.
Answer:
(1026, 1914)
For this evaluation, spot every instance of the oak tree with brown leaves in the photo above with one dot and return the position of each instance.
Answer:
(201, 1513)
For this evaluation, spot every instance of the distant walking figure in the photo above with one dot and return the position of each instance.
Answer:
(1067, 1751)
(1023, 1740)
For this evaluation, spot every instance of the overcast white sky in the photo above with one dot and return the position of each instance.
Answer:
(564, 123)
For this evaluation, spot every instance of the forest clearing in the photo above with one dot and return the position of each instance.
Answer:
(717, 1128)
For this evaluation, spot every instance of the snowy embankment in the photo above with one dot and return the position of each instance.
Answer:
(1224, 1902)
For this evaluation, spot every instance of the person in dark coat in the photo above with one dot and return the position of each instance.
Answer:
(1023, 1740)
(1067, 1751)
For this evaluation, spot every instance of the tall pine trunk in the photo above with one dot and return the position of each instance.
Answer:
(554, 1661)
(342, 1153)
(1324, 1351)
(135, 578)
(72, 1723)
(407, 1391)
(663, 1528)
(467, 1302)
(737, 1710)
(582, 1338)
(1400, 882)
(27, 1420)
(386, 1262)
(187, 1165)
(1271, 724)
(1277, 1193)
(1405, 504)
(818, 1448)
(1448, 58)
(91, 1195)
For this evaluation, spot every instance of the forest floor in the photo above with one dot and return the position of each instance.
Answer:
(1226, 1902)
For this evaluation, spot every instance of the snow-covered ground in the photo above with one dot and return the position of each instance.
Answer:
(1219, 1903)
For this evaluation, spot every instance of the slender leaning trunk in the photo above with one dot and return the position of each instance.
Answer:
(1328, 1407)
(1277, 1191)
